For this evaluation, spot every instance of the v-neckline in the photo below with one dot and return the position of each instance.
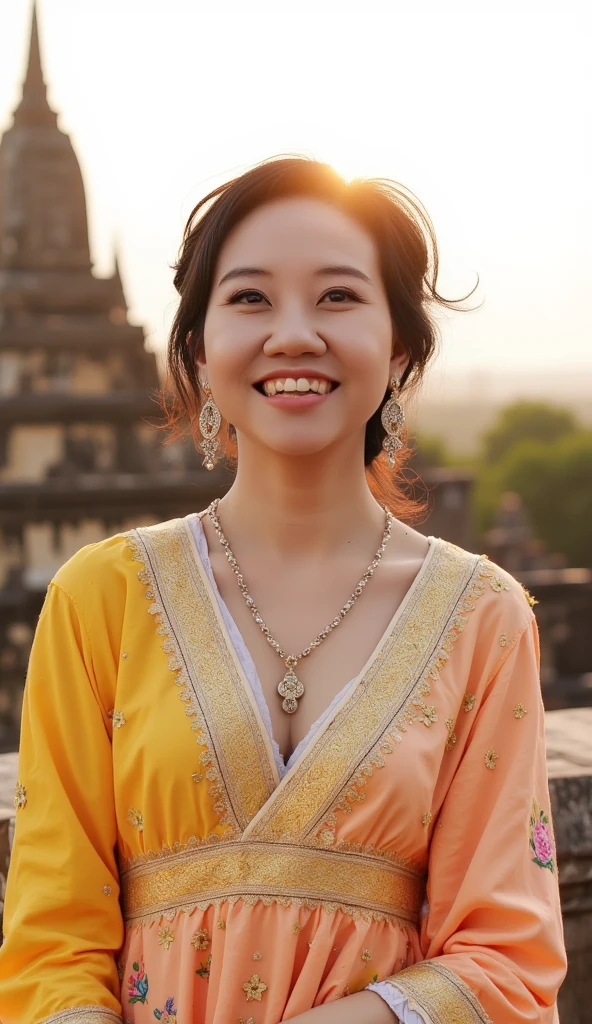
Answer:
(386, 697)
(348, 691)
(249, 667)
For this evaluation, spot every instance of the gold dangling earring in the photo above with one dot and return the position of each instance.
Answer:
(209, 424)
(393, 420)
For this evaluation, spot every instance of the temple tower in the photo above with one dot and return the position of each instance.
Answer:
(80, 455)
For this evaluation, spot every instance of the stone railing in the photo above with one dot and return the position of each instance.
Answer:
(569, 751)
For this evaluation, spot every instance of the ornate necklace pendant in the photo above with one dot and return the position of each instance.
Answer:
(291, 689)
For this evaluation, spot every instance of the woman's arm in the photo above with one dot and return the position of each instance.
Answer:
(361, 1008)
(62, 919)
(492, 939)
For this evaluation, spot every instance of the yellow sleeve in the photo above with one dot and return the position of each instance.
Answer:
(492, 937)
(62, 919)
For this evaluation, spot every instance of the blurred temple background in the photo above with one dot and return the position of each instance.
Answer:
(82, 457)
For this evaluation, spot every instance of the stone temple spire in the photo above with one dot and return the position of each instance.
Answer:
(34, 110)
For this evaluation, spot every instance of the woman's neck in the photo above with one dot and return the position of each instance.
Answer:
(293, 506)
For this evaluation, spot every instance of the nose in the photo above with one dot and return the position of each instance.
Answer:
(293, 335)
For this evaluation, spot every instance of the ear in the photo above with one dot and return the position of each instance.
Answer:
(200, 359)
(399, 359)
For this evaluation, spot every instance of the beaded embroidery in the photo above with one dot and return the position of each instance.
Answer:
(254, 988)
(166, 938)
(201, 939)
(499, 585)
(491, 758)
(451, 737)
(519, 711)
(135, 818)
(20, 796)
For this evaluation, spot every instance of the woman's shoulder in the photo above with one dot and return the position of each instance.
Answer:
(108, 568)
(499, 596)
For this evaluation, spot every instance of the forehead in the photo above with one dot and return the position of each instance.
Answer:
(299, 231)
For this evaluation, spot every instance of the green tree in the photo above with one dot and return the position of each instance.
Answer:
(555, 484)
(526, 421)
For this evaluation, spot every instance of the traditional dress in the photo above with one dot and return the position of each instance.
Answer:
(167, 865)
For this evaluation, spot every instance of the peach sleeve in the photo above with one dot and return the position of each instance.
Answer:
(62, 919)
(492, 937)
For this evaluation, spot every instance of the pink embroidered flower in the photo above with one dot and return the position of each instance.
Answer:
(542, 842)
(541, 839)
(138, 984)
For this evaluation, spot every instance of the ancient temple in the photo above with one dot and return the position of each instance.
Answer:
(81, 456)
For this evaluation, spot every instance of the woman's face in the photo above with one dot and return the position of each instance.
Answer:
(298, 334)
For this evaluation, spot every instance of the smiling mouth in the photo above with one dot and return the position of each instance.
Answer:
(295, 387)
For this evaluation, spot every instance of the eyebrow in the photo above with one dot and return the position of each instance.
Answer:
(337, 269)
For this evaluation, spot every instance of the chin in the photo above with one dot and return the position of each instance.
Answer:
(295, 447)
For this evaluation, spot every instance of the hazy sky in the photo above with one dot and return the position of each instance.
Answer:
(483, 109)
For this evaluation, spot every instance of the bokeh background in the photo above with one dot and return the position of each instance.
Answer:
(117, 116)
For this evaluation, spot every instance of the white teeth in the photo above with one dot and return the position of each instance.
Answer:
(300, 386)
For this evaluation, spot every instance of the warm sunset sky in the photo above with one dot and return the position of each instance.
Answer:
(483, 109)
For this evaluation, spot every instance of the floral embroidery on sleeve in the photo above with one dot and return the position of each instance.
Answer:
(135, 818)
(451, 737)
(491, 759)
(541, 840)
(499, 585)
(138, 983)
(20, 796)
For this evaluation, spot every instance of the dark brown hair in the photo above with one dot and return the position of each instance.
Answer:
(408, 257)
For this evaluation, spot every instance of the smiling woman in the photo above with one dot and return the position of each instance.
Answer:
(391, 276)
(270, 756)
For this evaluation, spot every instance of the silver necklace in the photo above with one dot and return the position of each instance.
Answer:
(290, 687)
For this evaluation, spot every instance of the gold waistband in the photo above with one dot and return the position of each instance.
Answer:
(359, 884)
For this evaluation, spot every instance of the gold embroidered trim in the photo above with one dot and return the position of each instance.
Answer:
(388, 699)
(166, 851)
(236, 760)
(360, 885)
(85, 1015)
(433, 990)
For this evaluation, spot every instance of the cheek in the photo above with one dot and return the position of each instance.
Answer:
(227, 341)
(367, 346)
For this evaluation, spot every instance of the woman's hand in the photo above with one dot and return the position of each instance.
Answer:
(361, 1008)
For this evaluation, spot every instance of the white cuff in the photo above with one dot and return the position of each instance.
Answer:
(396, 1001)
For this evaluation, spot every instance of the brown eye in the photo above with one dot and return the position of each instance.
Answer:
(340, 295)
(250, 297)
